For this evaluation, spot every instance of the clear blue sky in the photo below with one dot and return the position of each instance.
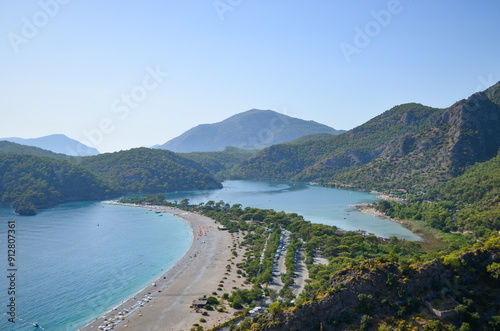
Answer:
(98, 68)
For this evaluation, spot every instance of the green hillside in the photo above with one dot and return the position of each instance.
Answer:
(221, 164)
(35, 178)
(410, 146)
(144, 170)
(310, 137)
(467, 203)
(321, 159)
(29, 182)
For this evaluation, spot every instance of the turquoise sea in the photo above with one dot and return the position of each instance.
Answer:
(78, 260)
(316, 203)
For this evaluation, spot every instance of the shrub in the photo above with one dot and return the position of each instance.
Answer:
(275, 308)
(366, 321)
(365, 303)
(212, 301)
(392, 279)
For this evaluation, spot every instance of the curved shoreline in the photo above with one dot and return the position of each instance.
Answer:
(148, 290)
(165, 305)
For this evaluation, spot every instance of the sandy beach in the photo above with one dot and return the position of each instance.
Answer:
(165, 304)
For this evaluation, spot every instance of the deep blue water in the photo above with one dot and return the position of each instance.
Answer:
(78, 260)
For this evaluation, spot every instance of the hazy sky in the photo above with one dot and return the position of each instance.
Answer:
(122, 74)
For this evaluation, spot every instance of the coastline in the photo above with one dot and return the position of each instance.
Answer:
(430, 240)
(165, 304)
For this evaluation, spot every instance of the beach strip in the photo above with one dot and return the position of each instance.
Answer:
(165, 304)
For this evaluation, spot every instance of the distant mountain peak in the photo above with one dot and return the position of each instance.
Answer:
(252, 129)
(57, 143)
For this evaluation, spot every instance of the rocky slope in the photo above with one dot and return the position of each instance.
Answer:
(382, 290)
(410, 146)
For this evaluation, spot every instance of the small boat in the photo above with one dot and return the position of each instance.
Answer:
(36, 325)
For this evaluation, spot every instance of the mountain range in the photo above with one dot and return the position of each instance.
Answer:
(253, 129)
(57, 143)
(410, 146)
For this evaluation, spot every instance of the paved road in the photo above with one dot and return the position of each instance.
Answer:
(302, 274)
(300, 270)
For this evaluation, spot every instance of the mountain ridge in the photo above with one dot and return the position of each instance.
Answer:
(410, 146)
(57, 143)
(253, 129)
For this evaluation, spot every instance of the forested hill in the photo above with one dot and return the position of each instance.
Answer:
(144, 170)
(29, 182)
(322, 159)
(410, 146)
(470, 202)
(221, 164)
(44, 179)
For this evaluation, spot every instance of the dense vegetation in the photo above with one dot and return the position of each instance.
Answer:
(468, 203)
(29, 181)
(310, 137)
(221, 164)
(144, 170)
(458, 291)
(32, 181)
